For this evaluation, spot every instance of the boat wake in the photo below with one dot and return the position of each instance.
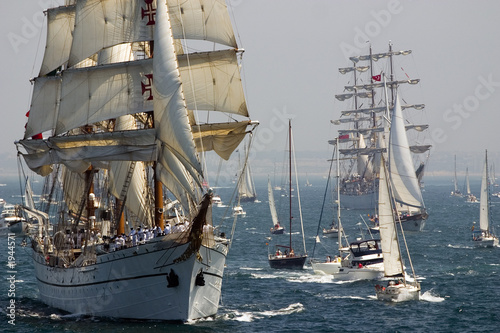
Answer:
(429, 296)
(251, 316)
(316, 278)
(349, 297)
(459, 246)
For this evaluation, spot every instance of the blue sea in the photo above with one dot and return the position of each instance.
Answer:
(460, 284)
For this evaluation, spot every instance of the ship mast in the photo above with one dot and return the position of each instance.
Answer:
(290, 176)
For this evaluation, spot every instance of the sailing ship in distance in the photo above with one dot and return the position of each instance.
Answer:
(371, 95)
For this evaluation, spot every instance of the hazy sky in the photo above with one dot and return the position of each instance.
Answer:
(293, 51)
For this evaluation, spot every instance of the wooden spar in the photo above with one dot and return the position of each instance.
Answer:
(158, 201)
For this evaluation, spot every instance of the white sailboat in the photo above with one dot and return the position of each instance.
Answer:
(308, 184)
(246, 186)
(469, 197)
(277, 227)
(484, 237)
(361, 260)
(456, 192)
(398, 288)
(113, 126)
(11, 220)
(363, 125)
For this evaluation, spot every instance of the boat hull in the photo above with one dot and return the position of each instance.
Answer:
(247, 199)
(132, 283)
(346, 273)
(486, 242)
(278, 231)
(330, 233)
(398, 293)
(413, 224)
(282, 261)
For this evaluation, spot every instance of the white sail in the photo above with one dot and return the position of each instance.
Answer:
(60, 24)
(117, 22)
(388, 232)
(89, 95)
(136, 190)
(171, 118)
(467, 180)
(212, 82)
(272, 206)
(484, 218)
(246, 187)
(455, 179)
(223, 138)
(403, 177)
(363, 164)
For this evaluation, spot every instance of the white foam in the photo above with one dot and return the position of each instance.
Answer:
(251, 316)
(429, 296)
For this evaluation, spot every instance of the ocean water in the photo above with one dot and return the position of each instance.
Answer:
(460, 284)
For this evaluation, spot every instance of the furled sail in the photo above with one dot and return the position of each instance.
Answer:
(403, 177)
(378, 56)
(389, 84)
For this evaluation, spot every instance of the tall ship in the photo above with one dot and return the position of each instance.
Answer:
(365, 123)
(114, 127)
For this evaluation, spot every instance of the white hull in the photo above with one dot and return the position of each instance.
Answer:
(398, 293)
(486, 242)
(363, 201)
(330, 233)
(370, 272)
(132, 283)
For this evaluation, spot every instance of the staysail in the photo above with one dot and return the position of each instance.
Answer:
(403, 176)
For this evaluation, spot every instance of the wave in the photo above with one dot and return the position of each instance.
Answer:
(251, 268)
